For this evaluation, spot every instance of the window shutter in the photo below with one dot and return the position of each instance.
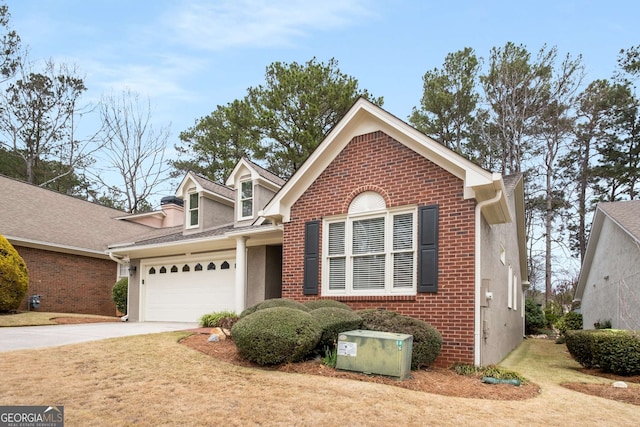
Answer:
(428, 249)
(311, 257)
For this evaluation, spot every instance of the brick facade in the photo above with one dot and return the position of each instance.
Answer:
(69, 283)
(379, 163)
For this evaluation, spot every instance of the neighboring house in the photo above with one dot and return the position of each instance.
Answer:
(63, 241)
(609, 283)
(380, 216)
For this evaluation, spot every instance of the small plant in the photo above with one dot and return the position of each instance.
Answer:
(533, 317)
(330, 356)
(602, 324)
(220, 319)
(119, 294)
(572, 321)
(488, 371)
(466, 369)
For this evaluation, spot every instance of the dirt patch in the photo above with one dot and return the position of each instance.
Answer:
(433, 380)
(77, 320)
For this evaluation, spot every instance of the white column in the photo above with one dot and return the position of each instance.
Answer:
(241, 273)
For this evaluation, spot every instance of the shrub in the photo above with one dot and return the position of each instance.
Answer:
(220, 319)
(275, 302)
(613, 351)
(276, 335)
(332, 321)
(572, 321)
(119, 294)
(533, 317)
(427, 341)
(552, 312)
(321, 303)
(14, 278)
(602, 324)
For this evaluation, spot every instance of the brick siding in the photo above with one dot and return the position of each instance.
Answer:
(377, 162)
(69, 283)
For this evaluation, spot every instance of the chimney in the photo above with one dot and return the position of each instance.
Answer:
(172, 208)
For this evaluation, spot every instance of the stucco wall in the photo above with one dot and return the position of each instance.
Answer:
(612, 288)
(70, 283)
(502, 327)
(376, 162)
(214, 214)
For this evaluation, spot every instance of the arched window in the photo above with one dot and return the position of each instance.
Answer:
(163, 270)
(174, 269)
(152, 270)
(224, 266)
(186, 268)
(198, 267)
(211, 266)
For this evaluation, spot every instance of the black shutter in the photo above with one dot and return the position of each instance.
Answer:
(311, 257)
(428, 249)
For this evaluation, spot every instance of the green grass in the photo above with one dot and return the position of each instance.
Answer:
(37, 318)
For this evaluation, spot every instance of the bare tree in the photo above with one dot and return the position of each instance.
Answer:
(134, 149)
(37, 122)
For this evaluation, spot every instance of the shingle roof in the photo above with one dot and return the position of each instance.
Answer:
(626, 213)
(266, 174)
(32, 213)
(214, 187)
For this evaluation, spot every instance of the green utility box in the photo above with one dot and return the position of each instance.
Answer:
(374, 352)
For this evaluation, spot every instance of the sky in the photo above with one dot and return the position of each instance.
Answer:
(188, 56)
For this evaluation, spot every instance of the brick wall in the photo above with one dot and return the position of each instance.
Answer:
(69, 283)
(377, 162)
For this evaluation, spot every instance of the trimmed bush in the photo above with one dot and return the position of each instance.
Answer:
(321, 303)
(220, 319)
(332, 321)
(14, 278)
(119, 294)
(533, 317)
(276, 335)
(427, 341)
(275, 302)
(572, 321)
(613, 351)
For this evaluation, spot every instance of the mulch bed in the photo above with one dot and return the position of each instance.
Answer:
(627, 395)
(433, 380)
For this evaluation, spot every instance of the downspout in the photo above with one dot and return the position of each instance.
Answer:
(121, 262)
(478, 278)
(116, 259)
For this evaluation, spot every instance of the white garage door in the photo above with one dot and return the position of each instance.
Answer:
(183, 289)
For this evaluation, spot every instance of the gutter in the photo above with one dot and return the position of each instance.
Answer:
(478, 278)
(117, 259)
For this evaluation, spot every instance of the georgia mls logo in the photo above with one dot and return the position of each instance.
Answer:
(31, 416)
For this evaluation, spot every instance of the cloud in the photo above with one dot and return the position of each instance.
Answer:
(224, 24)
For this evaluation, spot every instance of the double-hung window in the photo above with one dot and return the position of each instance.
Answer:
(246, 199)
(370, 253)
(193, 210)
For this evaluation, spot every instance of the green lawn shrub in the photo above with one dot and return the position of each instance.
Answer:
(276, 335)
(275, 302)
(332, 321)
(427, 341)
(614, 351)
(14, 278)
(533, 317)
(571, 321)
(119, 294)
(321, 303)
(220, 319)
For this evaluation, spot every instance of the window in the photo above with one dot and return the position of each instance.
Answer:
(515, 292)
(198, 267)
(368, 253)
(193, 211)
(246, 199)
(510, 288)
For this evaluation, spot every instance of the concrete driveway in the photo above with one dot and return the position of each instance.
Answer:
(29, 337)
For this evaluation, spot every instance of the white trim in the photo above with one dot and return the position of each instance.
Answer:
(188, 225)
(54, 247)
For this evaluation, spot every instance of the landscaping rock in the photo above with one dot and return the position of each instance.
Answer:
(213, 338)
(620, 384)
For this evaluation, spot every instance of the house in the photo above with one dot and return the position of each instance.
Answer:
(380, 216)
(63, 241)
(608, 286)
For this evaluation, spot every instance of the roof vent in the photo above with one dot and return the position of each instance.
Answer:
(168, 200)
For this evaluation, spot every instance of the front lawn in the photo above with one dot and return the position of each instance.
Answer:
(39, 318)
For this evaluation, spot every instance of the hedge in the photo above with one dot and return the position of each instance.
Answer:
(615, 351)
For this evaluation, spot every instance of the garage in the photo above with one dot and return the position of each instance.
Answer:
(183, 289)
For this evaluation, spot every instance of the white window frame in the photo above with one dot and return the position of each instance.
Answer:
(348, 220)
(510, 288)
(191, 209)
(242, 199)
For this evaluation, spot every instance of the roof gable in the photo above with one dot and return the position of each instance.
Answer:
(258, 173)
(365, 117)
(204, 185)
